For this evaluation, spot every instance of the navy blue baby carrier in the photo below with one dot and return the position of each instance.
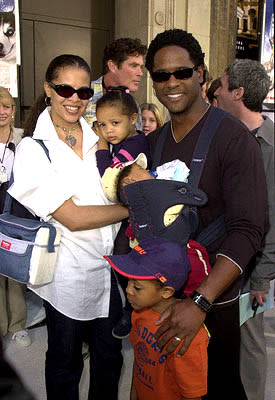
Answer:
(148, 200)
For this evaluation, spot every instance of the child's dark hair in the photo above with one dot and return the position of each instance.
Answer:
(119, 96)
(178, 294)
(124, 173)
(59, 62)
(175, 37)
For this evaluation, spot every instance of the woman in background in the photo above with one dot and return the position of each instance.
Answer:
(13, 312)
(151, 117)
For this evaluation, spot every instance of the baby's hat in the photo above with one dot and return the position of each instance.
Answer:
(111, 174)
(154, 258)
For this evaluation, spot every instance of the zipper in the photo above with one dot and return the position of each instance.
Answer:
(23, 226)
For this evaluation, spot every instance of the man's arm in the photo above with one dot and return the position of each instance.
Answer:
(185, 318)
(264, 270)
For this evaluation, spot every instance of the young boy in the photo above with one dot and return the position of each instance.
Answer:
(152, 287)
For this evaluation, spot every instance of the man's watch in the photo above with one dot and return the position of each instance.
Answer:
(201, 301)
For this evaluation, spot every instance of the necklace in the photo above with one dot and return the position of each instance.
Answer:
(3, 174)
(69, 138)
(196, 123)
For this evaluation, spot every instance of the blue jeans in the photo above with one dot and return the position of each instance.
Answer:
(64, 361)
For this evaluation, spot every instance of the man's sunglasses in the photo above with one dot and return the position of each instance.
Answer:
(181, 74)
(84, 93)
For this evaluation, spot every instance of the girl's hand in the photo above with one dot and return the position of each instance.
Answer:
(102, 143)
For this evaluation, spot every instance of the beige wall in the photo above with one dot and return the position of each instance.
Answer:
(146, 18)
(212, 22)
(50, 28)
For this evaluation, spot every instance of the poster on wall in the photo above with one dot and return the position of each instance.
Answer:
(267, 53)
(9, 45)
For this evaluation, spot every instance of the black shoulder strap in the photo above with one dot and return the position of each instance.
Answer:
(215, 116)
(8, 200)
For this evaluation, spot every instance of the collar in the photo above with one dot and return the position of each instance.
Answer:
(45, 130)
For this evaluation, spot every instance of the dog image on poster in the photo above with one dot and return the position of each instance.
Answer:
(7, 32)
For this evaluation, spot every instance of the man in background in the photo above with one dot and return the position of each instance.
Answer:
(123, 61)
(242, 91)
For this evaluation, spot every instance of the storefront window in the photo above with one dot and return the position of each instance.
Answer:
(249, 20)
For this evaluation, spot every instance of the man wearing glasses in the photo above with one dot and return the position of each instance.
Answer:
(123, 61)
(235, 185)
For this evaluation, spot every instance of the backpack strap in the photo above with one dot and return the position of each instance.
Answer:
(214, 118)
(212, 232)
(9, 198)
(216, 228)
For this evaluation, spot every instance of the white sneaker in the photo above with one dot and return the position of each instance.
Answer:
(22, 338)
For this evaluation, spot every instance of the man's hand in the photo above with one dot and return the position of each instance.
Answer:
(182, 320)
(260, 295)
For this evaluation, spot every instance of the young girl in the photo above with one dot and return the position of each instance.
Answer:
(151, 118)
(116, 114)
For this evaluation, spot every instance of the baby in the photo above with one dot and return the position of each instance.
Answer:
(156, 202)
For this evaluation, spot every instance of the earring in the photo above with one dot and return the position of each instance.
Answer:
(48, 101)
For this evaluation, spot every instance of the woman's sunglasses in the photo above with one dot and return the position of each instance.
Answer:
(66, 91)
(181, 74)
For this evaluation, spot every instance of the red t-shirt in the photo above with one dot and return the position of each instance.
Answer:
(162, 376)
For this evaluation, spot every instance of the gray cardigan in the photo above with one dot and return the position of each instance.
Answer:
(265, 263)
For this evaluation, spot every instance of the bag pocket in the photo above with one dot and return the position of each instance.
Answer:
(15, 258)
(28, 249)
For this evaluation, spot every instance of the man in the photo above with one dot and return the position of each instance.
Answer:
(235, 186)
(123, 60)
(244, 86)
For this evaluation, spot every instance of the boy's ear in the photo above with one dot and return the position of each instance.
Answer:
(167, 292)
(134, 118)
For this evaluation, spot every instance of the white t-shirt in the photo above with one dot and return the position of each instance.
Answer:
(7, 155)
(81, 285)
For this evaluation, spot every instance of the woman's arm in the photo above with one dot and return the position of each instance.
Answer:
(77, 218)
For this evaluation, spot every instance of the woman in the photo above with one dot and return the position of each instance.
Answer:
(13, 312)
(82, 301)
(151, 118)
